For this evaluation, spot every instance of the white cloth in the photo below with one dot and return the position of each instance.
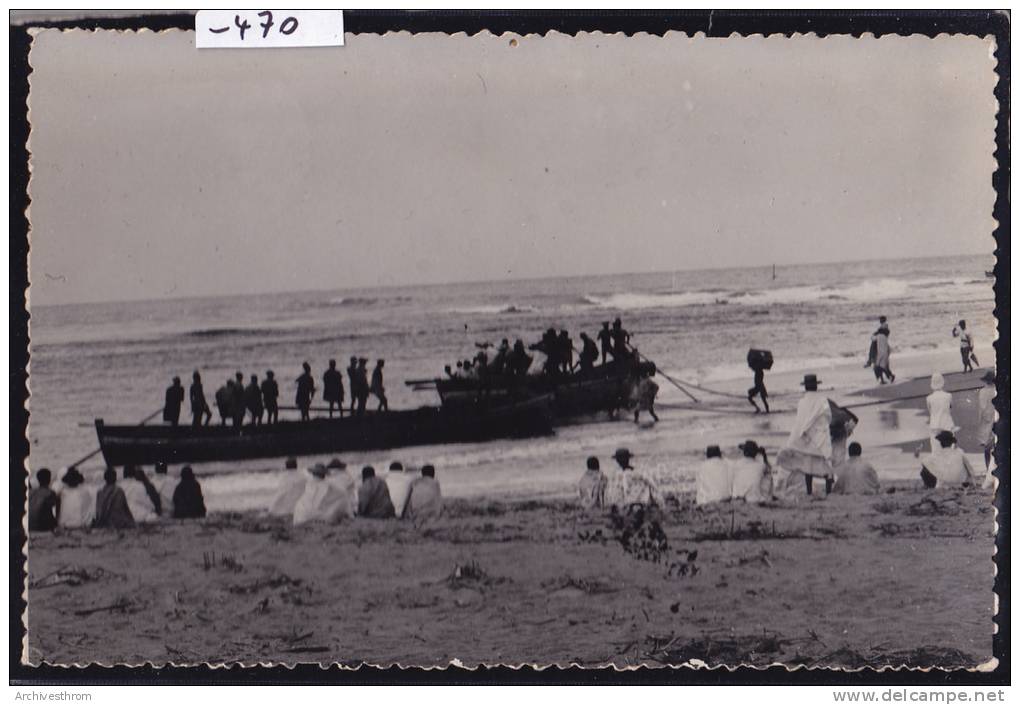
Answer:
(322, 501)
(629, 487)
(138, 501)
(714, 481)
(950, 466)
(345, 481)
(399, 485)
(810, 433)
(77, 507)
(291, 489)
(591, 489)
(882, 350)
(669, 481)
(752, 480)
(165, 486)
(986, 413)
(940, 412)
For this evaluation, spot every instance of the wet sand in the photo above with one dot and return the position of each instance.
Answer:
(904, 578)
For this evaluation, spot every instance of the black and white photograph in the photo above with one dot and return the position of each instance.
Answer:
(441, 349)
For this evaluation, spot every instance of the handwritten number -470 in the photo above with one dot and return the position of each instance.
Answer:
(287, 27)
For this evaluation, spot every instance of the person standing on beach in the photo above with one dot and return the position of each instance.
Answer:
(199, 406)
(305, 391)
(42, 504)
(986, 416)
(645, 391)
(253, 400)
(605, 337)
(808, 451)
(173, 401)
(940, 411)
(880, 341)
(377, 388)
(112, 510)
(333, 388)
(966, 346)
(592, 487)
(270, 397)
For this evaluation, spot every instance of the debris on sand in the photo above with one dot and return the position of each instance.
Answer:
(471, 576)
(584, 585)
(74, 577)
(930, 506)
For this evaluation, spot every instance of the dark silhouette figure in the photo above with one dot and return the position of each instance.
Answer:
(199, 406)
(377, 388)
(174, 400)
(305, 391)
(240, 408)
(225, 401)
(253, 400)
(966, 347)
(188, 500)
(759, 390)
(621, 341)
(605, 337)
(112, 511)
(333, 388)
(589, 353)
(363, 389)
(42, 504)
(566, 352)
(270, 397)
(352, 381)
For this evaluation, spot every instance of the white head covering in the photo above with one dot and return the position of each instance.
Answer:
(937, 381)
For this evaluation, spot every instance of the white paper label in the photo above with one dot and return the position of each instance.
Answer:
(236, 29)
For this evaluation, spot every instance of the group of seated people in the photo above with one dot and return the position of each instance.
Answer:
(137, 500)
(329, 493)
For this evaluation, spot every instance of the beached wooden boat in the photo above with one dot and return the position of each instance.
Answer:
(146, 445)
(604, 388)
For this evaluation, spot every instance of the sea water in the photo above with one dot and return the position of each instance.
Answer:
(114, 360)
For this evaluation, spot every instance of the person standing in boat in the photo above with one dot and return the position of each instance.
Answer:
(377, 388)
(589, 353)
(605, 338)
(253, 400)
(239, 406)
(270, 397)
(566, 350)
(363, 387)
(199, 406)
(333, 388)
(352, 380)
(621, 341)
(501, 359)
(224, 398)
(966, 346)
(305, 391)
(173, 402)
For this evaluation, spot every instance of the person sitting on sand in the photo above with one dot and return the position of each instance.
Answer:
(42, 504)
(339, 476)
(940, 411)
(374, 496)
(752, 475)
(626, 486)
(188, 501)
(398, 483)
(855, 475)
(142, 497)
(165, 489)
(77, 507)
(322, 501)
(292, 486)
(714, 479)
(592, 487)
(947, 467)
(808, 451)
(112, 510)
(425, 500)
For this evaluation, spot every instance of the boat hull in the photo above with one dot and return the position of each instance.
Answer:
(146, 445)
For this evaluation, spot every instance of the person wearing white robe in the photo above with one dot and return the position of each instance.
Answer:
(165, 486)
(138, 500)
(808, 451)
(425, 501)
(399, 484)
(714, 481)
(77, 504)
(626, 486)
(322, 501)
(940, 411)
(339, 476)
(592, 486)
(752, 477)
(949, 466)
(292, 486)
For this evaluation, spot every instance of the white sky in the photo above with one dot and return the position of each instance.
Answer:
(159, 170)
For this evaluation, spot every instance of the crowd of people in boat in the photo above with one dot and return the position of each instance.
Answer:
(238, 403)
(136, 499)
(817, 450)
(559, 351)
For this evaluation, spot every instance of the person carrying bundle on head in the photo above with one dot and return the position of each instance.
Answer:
(759, 361)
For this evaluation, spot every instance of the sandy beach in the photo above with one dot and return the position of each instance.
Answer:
(841, 582)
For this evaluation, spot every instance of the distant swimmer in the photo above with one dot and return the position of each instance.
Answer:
(270, 397)
(363, 386)
(759, 361)
(253, 400)
(199, 406)
(377, 388)
(605, 337)
(305, 391)
(333, 388)
(589, 353)
(352, 380)
(966, 346)
(225, 401)
(240, 408)
(172, 405)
